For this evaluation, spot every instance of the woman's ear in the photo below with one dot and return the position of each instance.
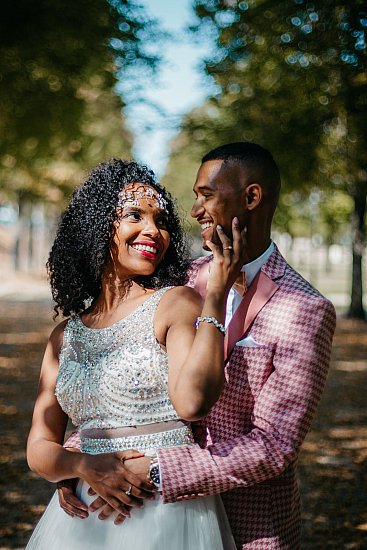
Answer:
(254, 195)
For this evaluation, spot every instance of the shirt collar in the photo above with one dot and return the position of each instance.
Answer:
(252, 268)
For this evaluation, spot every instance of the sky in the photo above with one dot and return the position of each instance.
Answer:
(178, 88)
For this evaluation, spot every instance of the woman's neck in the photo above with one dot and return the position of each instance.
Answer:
(116, 293)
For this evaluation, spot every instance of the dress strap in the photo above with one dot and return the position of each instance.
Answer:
(154, 300)
(151, 304)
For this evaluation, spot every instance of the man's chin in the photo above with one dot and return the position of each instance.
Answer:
(211, 238)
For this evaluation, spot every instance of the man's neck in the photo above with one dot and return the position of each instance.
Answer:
(249, 272)
(257, 249)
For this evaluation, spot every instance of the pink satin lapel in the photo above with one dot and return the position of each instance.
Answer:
(261, 290)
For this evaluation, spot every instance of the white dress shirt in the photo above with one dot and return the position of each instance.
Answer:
(251, 269)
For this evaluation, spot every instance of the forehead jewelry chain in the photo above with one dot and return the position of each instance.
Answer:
(144, 192)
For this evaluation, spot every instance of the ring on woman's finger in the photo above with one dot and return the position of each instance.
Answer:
(128, 491)
(228, 247)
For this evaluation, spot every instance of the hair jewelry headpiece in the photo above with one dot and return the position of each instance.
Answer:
(145, 192)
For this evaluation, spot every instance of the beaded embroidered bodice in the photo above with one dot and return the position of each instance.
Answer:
(115, 376)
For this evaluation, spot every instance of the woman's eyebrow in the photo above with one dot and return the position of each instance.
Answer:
(132, 207)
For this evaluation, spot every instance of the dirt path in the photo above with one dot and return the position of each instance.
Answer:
(333, 463)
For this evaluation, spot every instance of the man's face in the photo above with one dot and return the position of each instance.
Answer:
(220, 196)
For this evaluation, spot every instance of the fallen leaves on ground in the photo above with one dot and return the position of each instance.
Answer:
(332, 464)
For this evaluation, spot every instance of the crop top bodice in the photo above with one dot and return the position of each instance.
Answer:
(116, 376)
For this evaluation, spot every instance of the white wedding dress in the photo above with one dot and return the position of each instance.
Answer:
(117, 378)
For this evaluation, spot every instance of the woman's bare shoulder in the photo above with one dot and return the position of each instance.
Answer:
(183, 294)
(179, 304)
(57, 335)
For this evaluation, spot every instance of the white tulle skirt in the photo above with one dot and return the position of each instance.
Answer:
(199, 524)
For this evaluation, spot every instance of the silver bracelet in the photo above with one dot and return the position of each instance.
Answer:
(210, 320)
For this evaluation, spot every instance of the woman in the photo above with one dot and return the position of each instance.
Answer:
(128, 367)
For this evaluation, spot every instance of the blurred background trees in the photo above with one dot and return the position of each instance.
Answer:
(292, 76)
(59, 109)
(59, 67)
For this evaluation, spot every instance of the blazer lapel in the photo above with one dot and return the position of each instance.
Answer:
(261, 290)
(259, 293)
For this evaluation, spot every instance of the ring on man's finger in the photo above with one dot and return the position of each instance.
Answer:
(228, 247)
(128, 491)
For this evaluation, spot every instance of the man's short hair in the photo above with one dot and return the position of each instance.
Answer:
(255, 159)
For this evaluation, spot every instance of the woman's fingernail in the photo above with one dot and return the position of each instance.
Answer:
(219, 227)
(235, 220)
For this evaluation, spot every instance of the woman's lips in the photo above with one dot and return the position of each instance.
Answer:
(148, 254)
(148, 250)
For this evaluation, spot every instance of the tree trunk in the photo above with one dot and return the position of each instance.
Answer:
(356, 309)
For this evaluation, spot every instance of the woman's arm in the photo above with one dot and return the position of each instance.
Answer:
(46, 456)
(196, 357)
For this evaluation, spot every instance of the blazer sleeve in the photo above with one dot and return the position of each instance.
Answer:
(73, 441)
(281, 418)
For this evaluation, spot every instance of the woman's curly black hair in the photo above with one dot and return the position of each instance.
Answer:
(81, 248)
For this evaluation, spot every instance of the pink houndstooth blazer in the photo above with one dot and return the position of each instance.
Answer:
(250, 440)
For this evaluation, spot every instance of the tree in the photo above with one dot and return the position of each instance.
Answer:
(289, 74)
(56, 58)
(59, 107)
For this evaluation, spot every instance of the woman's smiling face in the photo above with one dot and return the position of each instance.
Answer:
(141, 238)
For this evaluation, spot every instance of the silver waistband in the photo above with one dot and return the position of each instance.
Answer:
(170, 438)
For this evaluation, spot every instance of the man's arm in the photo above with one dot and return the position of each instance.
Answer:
(72, 505)
(282, 415)
(73, 441)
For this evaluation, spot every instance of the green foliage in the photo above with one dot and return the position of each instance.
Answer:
(335, 212)
(292, 76)
(328, 211)
(59, 111)
(180, 174)
(286, 71)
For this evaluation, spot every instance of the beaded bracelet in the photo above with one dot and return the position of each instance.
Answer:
(210, 320)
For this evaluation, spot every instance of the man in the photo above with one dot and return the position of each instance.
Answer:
(279, 336)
